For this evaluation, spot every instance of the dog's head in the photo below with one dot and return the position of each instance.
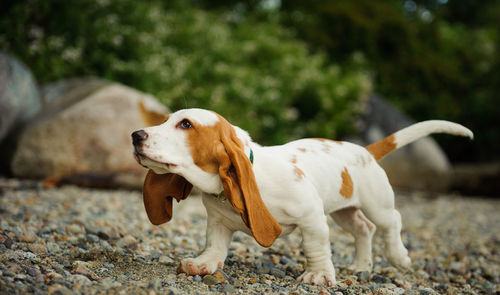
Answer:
(199, 147)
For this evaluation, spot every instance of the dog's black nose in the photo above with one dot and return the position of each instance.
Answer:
(139, 136)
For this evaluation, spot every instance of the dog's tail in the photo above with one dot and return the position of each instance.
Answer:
(411, 133)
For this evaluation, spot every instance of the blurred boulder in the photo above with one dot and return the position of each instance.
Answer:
(83, 135)
(420, 165)
(477, 179)
(19, 94)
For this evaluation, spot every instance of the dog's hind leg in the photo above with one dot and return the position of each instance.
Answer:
(354, 221)
(388, 220)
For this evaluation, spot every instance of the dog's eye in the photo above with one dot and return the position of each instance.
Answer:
(185, 124)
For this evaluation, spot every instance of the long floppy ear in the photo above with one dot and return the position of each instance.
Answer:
(241, 189)
(158, 192)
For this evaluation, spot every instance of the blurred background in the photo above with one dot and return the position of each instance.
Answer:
(282, 70)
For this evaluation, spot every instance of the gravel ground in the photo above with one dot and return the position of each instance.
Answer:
(71, 240)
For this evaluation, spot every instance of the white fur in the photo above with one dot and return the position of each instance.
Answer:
(418, 130)
(296, 202)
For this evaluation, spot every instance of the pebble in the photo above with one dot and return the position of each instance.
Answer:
(117, 251)
(165, 260)
(211, 280)
(220, 276)
(91, 238)
(126, 241)
(363, 276)
(28, 237)
(38, 249)
(53, 247)
(277, 272)
(59, 290)
(74, 229)
(228, 289)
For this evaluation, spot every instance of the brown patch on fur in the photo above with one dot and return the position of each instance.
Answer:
(302, 150)
(152, 118)
(294, 159)
(202, 141)
(327, 140)
(347, 188)
(217, 149)
(381, 148)
(299, 173)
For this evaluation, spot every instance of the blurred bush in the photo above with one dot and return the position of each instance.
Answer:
(432, 58)
(257, 74)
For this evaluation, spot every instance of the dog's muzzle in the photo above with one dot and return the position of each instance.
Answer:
(138, 137)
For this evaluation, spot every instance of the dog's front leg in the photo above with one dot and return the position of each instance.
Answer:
(316, 245)
(218, 237)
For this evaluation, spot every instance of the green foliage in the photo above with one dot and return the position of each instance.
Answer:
(431, 60)
(256, 74)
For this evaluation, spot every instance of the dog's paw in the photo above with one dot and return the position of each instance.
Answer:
(402, 263)
(361, 266)
(198, 266)
(318, 278)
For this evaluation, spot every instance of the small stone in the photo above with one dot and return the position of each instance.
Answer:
(323, 291)
(74, 229)
(79, 279)
(221, 276)
(165, 260)
(8, 242)
(239, 284)
(155, 285)
(106, 246)
(197, 278)
(363, 276)
(53, 247)
(81, 268)
(103, 235)
(277, 273)
(91, 238)
(210, 280)
(458, 267)
(173, 291)
(33, 272)
(59, 290)
(275, 259)
(380, 279)
(54, 275)
(426, 291)
(90, 229)
(228, 289)
(38, 249)
(126, 241)
(402, 283)
(28, 237)
(253, 280)
(285, 260)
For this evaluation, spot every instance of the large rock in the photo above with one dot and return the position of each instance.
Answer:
(83, 136)
(420, 165)
(19, 95)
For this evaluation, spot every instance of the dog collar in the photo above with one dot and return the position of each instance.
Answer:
(251, 156)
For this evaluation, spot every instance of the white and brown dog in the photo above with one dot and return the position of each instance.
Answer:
(267, 192)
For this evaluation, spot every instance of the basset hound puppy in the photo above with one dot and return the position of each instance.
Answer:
(268, 191)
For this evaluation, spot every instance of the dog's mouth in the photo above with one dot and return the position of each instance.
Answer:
(147, 162)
